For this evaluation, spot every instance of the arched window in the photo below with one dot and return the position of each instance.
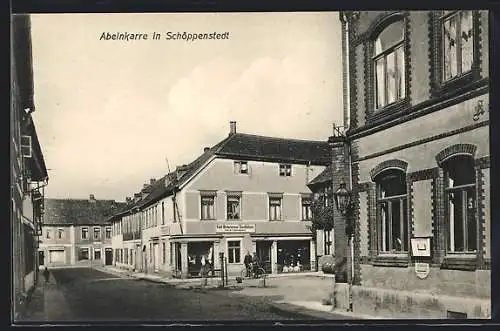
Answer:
(392, 220)
(389, 65)
(460, 189)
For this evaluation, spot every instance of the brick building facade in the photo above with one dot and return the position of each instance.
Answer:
(417, 112)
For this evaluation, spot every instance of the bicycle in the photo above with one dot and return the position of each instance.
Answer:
(257, 272)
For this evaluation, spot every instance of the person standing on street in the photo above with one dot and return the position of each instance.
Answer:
(46, 275)
(248, 263)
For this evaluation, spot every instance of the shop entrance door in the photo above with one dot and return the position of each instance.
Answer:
(264, 254)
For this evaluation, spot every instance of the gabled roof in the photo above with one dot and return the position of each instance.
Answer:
(79, 211)
(254, 147)
(324, 177)
(238, 146)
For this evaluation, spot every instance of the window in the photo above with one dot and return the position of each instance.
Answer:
(274, 208)
(85, 233)
(389, 65)
(108, 233)
(162, 213)
(207, 207)
(60, 233)
(457, 43)
(47, 234)
(328, 242)
(285, 170)
(164, 253)
(97, 253)
(306, 208)
(97, 233)
(233, 207)
(83, 254)
(392, 219)
(234, 251)
(241, 167)
(460, 188)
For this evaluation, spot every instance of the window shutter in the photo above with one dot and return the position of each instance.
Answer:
(26, 149)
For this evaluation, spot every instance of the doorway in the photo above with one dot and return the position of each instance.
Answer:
(263, 251)
(41, 258)
(108, 256)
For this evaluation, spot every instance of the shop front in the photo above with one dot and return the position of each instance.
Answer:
(200, 258)
(293, 256)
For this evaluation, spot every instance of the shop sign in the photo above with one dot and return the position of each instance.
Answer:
(235, 228)
(165, 230)
(422, 270)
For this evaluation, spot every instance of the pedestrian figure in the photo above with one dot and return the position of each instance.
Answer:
(255, 264)
(46, 274)
(248, 263)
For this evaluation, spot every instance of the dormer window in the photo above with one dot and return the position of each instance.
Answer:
(389, 65)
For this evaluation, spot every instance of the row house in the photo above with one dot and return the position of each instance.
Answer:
(76, 232)
(417, 159)
(28, 173)
(247, 193)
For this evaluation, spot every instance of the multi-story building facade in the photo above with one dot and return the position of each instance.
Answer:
(417, 111)
(246, 194)
(76, 232)
(28, 174)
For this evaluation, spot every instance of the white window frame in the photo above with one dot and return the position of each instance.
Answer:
(230, 196)
(94, 232)
(269, 198)
(108, 230)
(82, 232)
(100, 253)
(212, 217)
(227, 250)
(89, 257)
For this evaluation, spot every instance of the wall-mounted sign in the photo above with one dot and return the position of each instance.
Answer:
(421, 247)
(164, 230)
(422, 270)
(235, 228)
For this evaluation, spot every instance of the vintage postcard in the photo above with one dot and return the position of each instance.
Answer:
(284, 166)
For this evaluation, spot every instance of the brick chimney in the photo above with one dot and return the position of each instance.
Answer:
(206, 149)
(232, 127)
(151, 181)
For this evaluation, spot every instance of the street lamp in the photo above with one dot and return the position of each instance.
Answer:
(343, 203)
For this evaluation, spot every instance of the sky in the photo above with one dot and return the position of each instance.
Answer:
(111, 112)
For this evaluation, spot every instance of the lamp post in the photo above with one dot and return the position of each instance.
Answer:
(343, 203)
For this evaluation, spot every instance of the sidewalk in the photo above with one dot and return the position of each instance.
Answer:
(47, 304)
(309, 308)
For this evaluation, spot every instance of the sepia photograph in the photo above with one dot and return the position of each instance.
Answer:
(250, 166)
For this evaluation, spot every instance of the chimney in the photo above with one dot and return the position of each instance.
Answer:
(128, 199)
(151, 181)
(232, 127)
(206, 149)
(91, 197)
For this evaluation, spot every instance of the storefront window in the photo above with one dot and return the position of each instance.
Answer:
(294, 256)
(200, 258)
